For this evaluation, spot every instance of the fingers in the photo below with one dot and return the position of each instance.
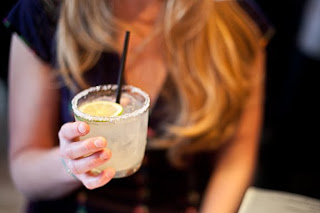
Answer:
(79, 149)
(74, 152)
(83, 165)
(73, 130)
(92, 182)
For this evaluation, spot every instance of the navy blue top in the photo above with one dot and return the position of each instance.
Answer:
(157, 186)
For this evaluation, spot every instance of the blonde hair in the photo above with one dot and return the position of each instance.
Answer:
(211, 44)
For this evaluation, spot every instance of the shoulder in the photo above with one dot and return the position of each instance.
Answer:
(35, 22)
(29, 10)
(255, 13)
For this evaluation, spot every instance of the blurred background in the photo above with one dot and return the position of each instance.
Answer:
(289, 152)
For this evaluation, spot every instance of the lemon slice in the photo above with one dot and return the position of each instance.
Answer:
(102, 108)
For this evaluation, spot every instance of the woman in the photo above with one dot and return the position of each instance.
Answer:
(201, 62)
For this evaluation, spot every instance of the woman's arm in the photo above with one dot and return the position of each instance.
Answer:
(33, 122)
(236, 160)
(35, 160)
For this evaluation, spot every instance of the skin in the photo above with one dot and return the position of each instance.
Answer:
(35, 160)
(236, 160)
(141, 16)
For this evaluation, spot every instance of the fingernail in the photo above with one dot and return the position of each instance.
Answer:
(110, 173)
(105, 155)
(82, 128)
(99, 143)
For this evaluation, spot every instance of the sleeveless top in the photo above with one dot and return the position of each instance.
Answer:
(156, 186)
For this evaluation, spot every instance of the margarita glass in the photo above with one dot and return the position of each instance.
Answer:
(126, 133)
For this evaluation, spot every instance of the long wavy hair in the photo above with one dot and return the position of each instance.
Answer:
(212, 44)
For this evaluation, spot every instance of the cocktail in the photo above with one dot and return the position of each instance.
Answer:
(124, 126)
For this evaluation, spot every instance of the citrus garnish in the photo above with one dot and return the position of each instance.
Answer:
(102, 108)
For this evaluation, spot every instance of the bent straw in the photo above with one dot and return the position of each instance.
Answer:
(122, 66)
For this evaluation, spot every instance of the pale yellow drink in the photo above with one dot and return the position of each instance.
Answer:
(126, 133)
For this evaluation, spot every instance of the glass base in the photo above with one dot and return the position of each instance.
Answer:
(121, 173)
(127, 172)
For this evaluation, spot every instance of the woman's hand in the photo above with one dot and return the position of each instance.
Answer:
(72, 151)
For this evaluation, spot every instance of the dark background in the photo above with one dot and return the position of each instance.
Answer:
(4, 39)
(289, 151)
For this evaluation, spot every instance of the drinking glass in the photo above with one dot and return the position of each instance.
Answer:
(126, 134)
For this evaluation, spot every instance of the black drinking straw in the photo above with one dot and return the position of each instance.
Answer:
(122, 66)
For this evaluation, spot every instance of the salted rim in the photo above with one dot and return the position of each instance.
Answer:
(87, 117)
